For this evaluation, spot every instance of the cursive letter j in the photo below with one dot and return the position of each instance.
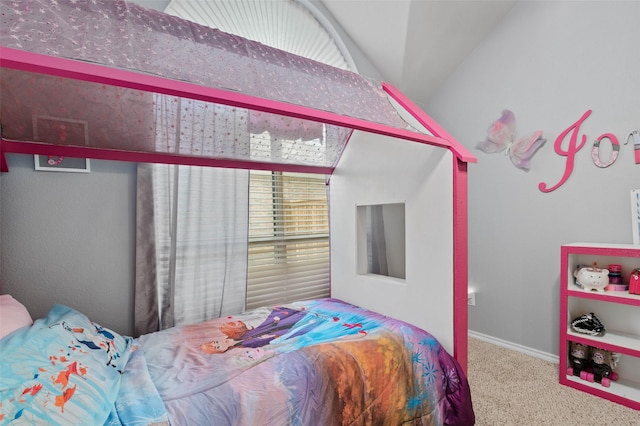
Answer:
(570, 153)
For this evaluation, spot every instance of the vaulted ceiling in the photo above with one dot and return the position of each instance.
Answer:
(416, 44)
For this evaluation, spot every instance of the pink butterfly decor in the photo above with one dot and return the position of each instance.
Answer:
(501, 136)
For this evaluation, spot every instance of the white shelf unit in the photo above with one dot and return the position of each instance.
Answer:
(619, 311)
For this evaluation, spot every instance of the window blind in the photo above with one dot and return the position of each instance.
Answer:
(288, 238)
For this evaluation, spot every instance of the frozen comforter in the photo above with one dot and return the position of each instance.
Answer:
(314, 362)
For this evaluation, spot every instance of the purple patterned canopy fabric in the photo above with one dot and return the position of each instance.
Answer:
(118, 34)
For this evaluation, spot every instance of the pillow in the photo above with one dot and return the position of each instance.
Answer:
(64, 369)
(13, 315)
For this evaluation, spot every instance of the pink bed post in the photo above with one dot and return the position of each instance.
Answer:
(461, 262)
(460, 226)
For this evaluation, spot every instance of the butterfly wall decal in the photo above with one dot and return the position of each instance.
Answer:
(501, 136)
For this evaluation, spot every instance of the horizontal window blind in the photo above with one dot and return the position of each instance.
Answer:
(288, 238)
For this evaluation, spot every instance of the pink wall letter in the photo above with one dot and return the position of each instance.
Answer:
(570, 153)
(595, 151)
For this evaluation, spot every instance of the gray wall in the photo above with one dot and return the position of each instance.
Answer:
(548, 62)
(69, 238)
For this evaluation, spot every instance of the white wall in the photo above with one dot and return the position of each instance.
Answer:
(548, 62)
(376, 169)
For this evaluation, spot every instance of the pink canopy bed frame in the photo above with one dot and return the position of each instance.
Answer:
(105, 66)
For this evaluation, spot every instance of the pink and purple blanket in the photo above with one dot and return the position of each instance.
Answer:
(314, 362)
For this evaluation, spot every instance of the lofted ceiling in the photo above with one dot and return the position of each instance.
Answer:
(414, 44)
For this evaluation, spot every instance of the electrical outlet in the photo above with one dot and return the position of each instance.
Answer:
(471, 299)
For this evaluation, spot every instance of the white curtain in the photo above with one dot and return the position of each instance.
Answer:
(192, 224)
(192, 245)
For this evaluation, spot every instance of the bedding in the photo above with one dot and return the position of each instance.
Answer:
(66, 370)
(313, 362)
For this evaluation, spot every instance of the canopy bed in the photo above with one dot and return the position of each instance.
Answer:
(86, 78)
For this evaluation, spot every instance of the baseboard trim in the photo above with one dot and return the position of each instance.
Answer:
(516, 347)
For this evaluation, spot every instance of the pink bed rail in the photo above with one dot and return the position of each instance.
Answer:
(462, 156)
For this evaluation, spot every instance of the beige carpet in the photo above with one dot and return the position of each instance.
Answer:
(511, 388)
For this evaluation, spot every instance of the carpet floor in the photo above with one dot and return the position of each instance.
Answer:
(512, 388)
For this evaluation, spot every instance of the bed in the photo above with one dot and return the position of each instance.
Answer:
(86, 79)
(313, 362)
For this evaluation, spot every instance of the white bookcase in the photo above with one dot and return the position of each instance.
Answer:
(619, 311)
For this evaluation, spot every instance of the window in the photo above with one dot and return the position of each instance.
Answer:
(288, 255)
(291, 25)
(288, 238)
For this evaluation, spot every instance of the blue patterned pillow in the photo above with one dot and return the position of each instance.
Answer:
(64, 369)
